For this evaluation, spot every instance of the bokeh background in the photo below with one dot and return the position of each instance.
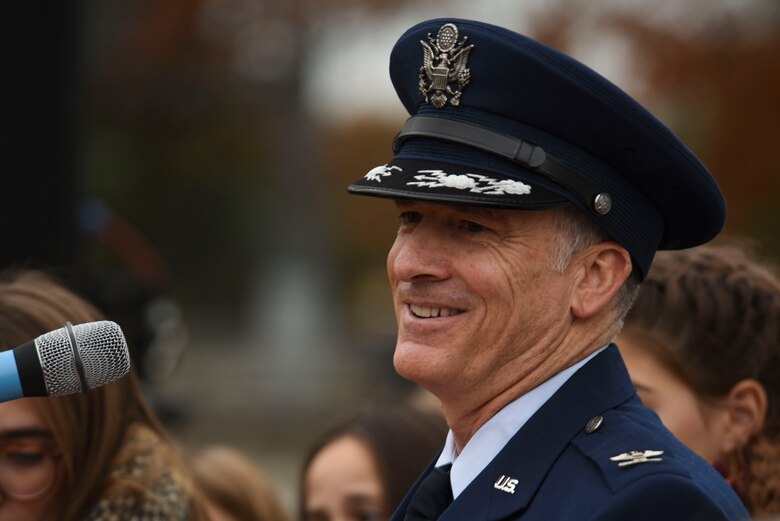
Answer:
(184, 164)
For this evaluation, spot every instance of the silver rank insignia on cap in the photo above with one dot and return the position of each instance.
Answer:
(444, 63)
(635, 456)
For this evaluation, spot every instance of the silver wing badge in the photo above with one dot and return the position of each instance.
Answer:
(444, 67)
(635, 456)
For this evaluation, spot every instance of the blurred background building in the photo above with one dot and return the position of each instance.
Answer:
(184, 164)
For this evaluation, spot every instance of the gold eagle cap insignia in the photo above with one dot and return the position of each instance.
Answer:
(444, 71)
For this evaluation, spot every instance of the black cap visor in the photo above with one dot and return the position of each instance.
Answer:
(442, 182)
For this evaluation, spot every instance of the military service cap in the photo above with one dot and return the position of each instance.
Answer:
(501, 120)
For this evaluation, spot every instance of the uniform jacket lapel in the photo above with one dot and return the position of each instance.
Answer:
(601, 384)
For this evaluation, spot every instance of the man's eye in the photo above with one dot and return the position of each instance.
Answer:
(473, 227)
(409, 218)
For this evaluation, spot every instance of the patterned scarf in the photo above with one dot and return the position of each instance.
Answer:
(144, 486)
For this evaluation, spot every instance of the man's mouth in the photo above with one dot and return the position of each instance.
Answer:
(430, 312)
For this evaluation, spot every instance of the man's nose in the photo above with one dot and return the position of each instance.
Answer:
(421, 254)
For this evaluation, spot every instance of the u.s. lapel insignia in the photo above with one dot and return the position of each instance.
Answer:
(635, 456)
(444, 64)
(506, 484)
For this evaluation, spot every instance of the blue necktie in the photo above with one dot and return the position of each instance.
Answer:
(432, 497)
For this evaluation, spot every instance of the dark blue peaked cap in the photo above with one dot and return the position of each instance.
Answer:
(501, 120)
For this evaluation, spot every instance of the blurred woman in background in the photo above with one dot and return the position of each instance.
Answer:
(702, 345)
(234, 487)
(361, 469)
(96, 456)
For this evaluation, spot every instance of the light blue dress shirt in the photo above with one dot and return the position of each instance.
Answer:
(488, 441)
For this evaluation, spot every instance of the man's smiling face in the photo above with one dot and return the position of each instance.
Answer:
(473, 289)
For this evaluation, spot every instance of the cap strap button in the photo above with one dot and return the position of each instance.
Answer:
(602, 203)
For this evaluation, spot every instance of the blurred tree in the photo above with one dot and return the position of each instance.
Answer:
(196, 129)
(176, 142)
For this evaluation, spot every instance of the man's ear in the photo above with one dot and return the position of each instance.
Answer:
(602, 269)
(746, 405)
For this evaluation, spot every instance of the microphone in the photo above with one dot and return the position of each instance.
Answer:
(69, 360)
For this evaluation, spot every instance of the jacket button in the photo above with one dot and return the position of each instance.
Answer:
(594, 424)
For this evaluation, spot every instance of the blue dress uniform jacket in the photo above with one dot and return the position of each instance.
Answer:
(554, 469)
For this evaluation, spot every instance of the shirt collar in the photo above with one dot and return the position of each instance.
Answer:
(488, 441)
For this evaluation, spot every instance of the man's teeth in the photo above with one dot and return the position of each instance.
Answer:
(428, 312)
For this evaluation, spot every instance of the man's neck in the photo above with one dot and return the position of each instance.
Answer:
(465, 415)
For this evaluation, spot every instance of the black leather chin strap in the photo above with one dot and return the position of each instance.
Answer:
(516, 150)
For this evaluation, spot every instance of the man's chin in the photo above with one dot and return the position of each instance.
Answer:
(417, 362)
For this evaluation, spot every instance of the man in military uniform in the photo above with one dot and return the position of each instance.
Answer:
(532, 194)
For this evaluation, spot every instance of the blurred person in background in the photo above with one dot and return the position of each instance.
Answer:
(702, 345)
(96, 456)
(234, 487)
(361, 469)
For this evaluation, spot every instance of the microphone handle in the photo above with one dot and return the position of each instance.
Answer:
(20, 373)
(10, 384)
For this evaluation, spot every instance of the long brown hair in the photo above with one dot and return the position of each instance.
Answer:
(716, 312)
(90, 429)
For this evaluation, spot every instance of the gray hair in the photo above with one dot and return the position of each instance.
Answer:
(575, 232)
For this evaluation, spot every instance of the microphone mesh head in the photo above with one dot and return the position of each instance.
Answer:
(102, 349)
